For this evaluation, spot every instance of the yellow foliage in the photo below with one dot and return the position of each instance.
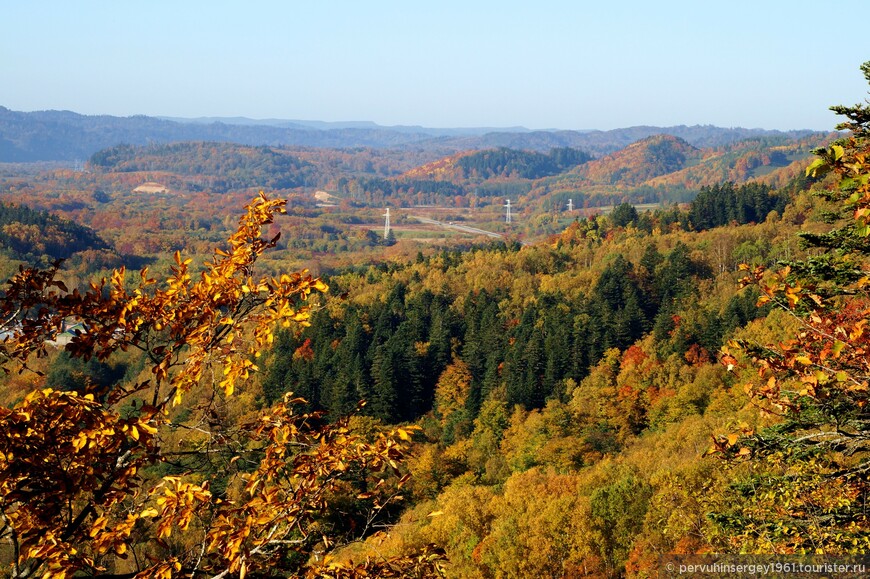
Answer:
(72, 492)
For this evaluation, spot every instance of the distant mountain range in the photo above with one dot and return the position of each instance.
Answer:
(332, 125)
(68, 136)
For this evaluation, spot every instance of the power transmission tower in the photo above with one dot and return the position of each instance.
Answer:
(570, 205)
(507, 216)
(387, 223)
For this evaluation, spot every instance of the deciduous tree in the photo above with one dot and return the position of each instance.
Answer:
(807, 477)
(80, 485)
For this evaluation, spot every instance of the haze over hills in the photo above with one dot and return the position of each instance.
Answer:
(330, 125)
(411, 290)
(67, 136)
(658, 168)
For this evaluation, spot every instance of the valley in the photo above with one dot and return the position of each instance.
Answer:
(553, 353)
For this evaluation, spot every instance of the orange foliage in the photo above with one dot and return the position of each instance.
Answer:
(75, 493)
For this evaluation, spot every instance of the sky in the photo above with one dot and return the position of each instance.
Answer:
(542, 64)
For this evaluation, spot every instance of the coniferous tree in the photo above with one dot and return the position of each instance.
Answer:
(808, 486)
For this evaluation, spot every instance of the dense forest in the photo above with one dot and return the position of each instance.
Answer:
(28, 234)
(722, 204)
(391, 352)
(234, 167)
(504, 163)
(629, 384)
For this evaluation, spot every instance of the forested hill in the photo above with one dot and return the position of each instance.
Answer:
(530, 318)
(575, 382)
(224, 166)
(640, 161)
(29, 234)
(501, 163)
(601, 143)
(654, 169)
(65, 135)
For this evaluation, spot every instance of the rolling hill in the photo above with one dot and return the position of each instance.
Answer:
(67, 136)
(29, 234)
(500, 163)
(638, 162)
(654, 169)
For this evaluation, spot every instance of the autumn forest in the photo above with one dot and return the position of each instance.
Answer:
(357, 353)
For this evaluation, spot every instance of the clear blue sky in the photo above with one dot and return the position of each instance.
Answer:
(775, 64)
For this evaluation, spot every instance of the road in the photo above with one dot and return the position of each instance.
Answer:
(463, 228)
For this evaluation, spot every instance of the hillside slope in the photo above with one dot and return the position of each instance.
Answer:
(639, 162)
(29, 234)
